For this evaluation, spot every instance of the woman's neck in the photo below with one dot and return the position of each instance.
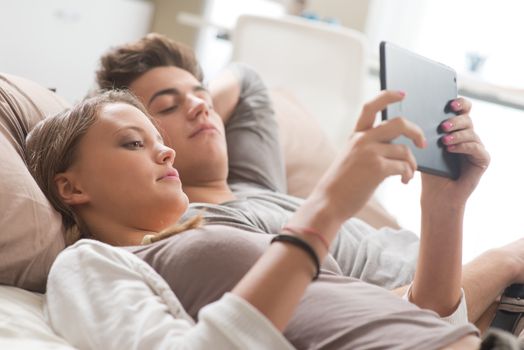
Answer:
(211, 192)
(112, 232)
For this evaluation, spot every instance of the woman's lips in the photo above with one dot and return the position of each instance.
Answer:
(171, 174)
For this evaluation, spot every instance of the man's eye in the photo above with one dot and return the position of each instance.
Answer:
(134, 144)
(168, 110)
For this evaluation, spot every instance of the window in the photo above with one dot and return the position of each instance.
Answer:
(475, 37)
(479, 40)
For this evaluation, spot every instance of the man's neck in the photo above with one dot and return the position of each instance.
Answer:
(210, 192)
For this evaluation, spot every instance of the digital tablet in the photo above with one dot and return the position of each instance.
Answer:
(429, 87)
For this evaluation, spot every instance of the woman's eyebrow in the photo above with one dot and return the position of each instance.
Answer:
(132, 127)
(139, 130)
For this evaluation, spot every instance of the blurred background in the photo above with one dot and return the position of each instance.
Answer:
(58, 43)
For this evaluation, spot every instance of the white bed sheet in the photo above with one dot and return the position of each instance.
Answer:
(23, 324)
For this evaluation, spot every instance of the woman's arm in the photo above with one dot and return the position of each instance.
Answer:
(438, 279)
(343, 190)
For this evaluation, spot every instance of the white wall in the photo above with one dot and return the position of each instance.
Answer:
(165, 22)
(57, 43)
(350, 13)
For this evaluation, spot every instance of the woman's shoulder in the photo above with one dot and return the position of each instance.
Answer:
(89, 251)
(88, 268)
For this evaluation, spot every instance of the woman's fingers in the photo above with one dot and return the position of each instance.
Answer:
(460, 105)
(397, 152)
(475, 152)
(393, 128)
(459, 122)
(463, 139)
(371, 108)
(467, 135)
(393, 167)
(386, 159)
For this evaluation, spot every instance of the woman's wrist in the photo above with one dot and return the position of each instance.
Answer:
(317, 214)
(308, 232)
(437, 208)
(302, 244)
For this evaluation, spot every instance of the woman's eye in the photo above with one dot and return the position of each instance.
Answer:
(134, 144)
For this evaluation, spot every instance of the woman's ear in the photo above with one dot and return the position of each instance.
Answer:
(69, 190)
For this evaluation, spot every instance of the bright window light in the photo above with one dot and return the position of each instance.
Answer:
(479, 39)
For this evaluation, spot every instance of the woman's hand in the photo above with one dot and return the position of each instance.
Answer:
(438, 277)
(460, 138)
(368, 159)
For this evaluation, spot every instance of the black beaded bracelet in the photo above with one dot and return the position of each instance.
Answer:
(294, 240)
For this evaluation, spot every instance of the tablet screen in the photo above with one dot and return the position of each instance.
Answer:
(429, 87)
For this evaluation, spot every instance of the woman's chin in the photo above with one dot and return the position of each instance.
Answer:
(175, 209)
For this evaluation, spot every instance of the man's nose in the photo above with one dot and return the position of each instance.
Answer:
(197, 107)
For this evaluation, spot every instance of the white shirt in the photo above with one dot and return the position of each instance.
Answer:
(102, 297)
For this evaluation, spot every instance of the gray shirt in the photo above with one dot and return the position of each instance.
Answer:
(335, 313)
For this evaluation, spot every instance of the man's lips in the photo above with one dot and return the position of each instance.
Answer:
(201, 128)
(171, 174)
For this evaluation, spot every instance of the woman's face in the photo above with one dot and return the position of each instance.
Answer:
(126, 176)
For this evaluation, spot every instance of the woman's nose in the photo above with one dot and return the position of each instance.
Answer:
(166, 155)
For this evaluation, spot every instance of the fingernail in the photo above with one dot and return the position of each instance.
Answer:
(455, 105)
(447, 126)
(424, 143)
(402, 93)
(448, 139)
(451, 148)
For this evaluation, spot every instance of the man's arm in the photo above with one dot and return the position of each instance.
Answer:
(485, 278)
(254, 151)
(225, 91)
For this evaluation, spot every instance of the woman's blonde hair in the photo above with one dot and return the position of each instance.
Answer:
(52, 149)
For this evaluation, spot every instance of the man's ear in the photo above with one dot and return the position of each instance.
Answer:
(69, 190)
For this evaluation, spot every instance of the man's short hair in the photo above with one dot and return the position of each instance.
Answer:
(124, 64)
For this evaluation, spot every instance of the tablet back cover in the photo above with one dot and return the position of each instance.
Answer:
(429, 87)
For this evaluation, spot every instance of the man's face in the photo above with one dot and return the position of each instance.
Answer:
(184, 111)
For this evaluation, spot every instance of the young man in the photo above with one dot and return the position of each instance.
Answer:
(228, 156)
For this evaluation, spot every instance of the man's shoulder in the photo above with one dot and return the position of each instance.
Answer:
(254, 192)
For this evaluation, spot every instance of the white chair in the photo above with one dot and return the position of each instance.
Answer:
(323, 65)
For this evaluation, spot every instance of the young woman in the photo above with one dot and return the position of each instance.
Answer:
(105, 167)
